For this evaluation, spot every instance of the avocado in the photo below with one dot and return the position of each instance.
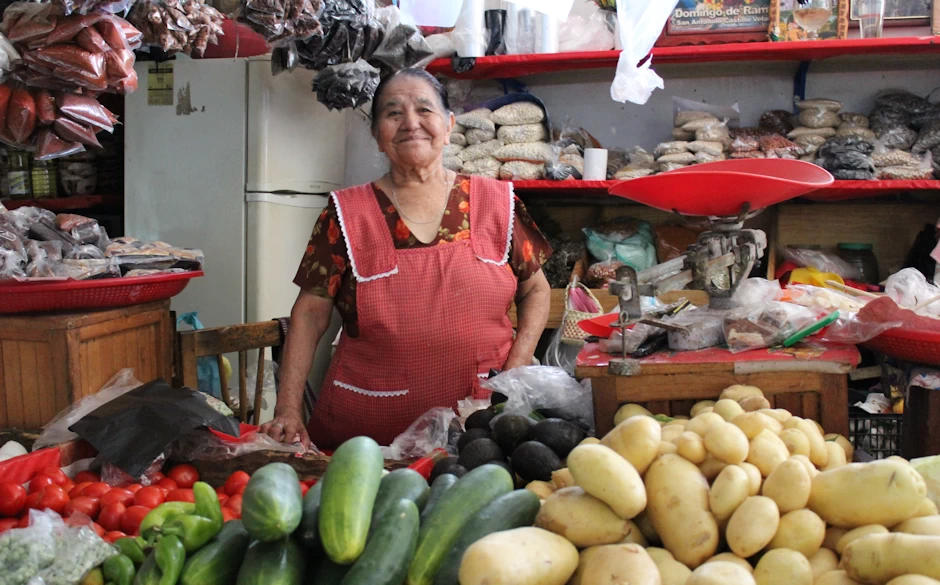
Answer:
(498, 398)
(447, 465)
(507, 467)
(534, 461)
(558, 435)
(512, 430)
(479, 452)
(471, 435)
(480, 420)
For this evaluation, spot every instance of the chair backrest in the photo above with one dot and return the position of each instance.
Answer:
(193, 345)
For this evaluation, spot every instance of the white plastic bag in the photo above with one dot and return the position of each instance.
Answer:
(908, 288)
(585, 30)
(533, 387)
(641, 22)
(754, 291)
(822, 261)
(432, 13)
(557, 9)
(424, 435)
(731, 115)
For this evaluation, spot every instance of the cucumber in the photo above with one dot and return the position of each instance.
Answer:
(218, 562)
(441, 484)
(308, 533)
(401, 484)
(272, 504)
(513, 510)
(326, 572)
(273, 563)
(468, 496)
(390, 549)
(350, 485)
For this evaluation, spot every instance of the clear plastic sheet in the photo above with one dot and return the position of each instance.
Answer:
(824, 299)
(201, 445)
(427, 433)
(910, 289)
(853, 328)
(754, 291)
(535, 387)
(760, 326)
(822, 261)
(586, 29)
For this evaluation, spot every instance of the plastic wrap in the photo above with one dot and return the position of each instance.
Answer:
(346, 86)
(824, 299)
(24, 552)
(754, 291)
(927, 139)
(641, 22)
(586, 29)
(909, 289)
(780, 147)
(283, 21)
(427, 433)
(186, 26)
(612, 242)
(532, 388)
(9, 56)
(822, 261)
(202, 445)
(903, 100)
(853, 328)
(402, 45)
(349, 33)
(777, 121)
(819, 118)
(12, 264)
(764, 325)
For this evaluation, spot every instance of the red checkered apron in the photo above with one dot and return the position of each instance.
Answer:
(432, 320)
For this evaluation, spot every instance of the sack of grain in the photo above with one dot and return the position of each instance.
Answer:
(476, 136)
(522, 134)
(483, 150)
(529, 152)
(518, 113)
(479, 119)
(483, 167)
(522, 171)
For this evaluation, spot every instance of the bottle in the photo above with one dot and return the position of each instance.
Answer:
(862, 257)
(18, 175)
(44, 180)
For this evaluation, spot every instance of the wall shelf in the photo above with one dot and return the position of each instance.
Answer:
(67, 203)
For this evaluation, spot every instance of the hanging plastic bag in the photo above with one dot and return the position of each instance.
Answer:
(426, 434)
(532, 388)
(641, 22)
(207, 368)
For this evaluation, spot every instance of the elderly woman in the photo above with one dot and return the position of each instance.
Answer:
(423, 266)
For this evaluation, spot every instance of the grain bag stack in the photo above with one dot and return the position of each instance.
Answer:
(510, 143)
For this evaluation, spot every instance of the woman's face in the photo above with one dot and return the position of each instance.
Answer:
(412, 127)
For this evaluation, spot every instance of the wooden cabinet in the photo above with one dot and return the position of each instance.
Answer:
(48, 362)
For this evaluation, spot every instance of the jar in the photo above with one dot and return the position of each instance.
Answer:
(18, 175)
(44, 180)
(862, 257)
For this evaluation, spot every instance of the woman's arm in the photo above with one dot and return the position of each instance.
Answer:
(309, 320)
(532, 303)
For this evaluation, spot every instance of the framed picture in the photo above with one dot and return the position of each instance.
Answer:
(784, 25)
(901, 12)
(717, 21)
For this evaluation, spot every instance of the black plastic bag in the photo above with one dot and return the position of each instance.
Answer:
(346, 86)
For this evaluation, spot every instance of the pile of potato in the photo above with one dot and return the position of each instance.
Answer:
(741, 494)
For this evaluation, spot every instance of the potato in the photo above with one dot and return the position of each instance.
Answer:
(671, 571)
(878, 558)
(612, 564)
(899, 459)
(671, 434)
(842, 442)
(728, 557)
(629, 410)
(881, 492)
(810, 468)
(739, 392)
(924, 525)
(677, 496)
(542, 489)
(797, 443)
(607, 476)
(800, 530)
(700, 406)
(818, 453)
(752, 423)
(823, 561)
(703, 423)
(679, 417)
(691, 447)
(636, 440)
(590, 441)
(833, 535)
(752, 526)
(524, 556)
(788, 486)
(836, 456)
(562, 478)
(927, 508)
(754, 477)
(835, 578)
(720, 573)
(729, 490)
(913, 580)
(754, 403)
(677, 422)
(767, 452)
(647, 529)
(727, 443)
(659, 554)
(780, 415)
(783, 566)
(857, 533)
(582, 519)
(667, 449)
(635, 536)
(728, 409)
(712, 467)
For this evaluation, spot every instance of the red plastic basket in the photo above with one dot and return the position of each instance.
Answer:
(922, 347)
(75, 295)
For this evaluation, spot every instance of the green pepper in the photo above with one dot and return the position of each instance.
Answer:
(133, 548)
(152, 524)
(119, 570)
(170, 556)
(95, 577)
(198, 528)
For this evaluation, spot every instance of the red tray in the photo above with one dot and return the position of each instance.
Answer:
(922, 347)
(74, 295)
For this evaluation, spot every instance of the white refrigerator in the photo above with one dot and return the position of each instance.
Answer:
(223, 156)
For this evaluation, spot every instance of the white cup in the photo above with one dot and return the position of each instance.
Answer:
(595, 164)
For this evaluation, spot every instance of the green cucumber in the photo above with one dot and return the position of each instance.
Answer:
(401, 484)
(218, 562)
(350, 485)
(326, 572)
(308, 533)
(441, 484)
(390, 549)
(273, 563)
(272, 504)
(513, 510)
(468, 496)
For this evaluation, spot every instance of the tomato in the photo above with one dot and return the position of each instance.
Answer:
(40, 481)
(110, 516)
(112, 536)
(235, 504)
(54, 498)
(185, 475)
(68, 486)
(180, 495)
(237, 480)
(222, 499)
(167, 483)
(32, 501)
(118, 495)
(10, 524)
(155, 477)
(57, 475)
(99, 530)
(84, 504)
(227, 515)
(303, 489)
(77, 490)
(12, 499)
(134, 488)
(133, 516)
(24, 521)
(96, 490)
(89, 476)
(221, 492)
(149, 497)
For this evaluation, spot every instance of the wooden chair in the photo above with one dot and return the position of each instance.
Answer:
(193, 345)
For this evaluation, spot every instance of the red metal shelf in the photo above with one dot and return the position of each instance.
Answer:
(67, 203)
(522, 65)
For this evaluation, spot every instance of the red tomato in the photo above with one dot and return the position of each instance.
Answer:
(235, 504)
(221, 492)
(118, 495)
(40, 481)
(89, 476)
(77, 489)
(99, 530)
(157, 476)
(113, 535)
(303, 489)
(180, 495)
(54, 498)
(167, 483)
(149, 497)
(222, 499)
(10, 524)
(24, 521)
(110, 516)
(227, 515)
(12, 499)
(32, 501)
(96, 490)
(134, 488)
(185, 475)
(237, 480)
(67, 486)
(57, 475)
(84, 504)
(133, 516)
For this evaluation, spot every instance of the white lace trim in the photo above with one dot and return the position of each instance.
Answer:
(483, 376)
(349, 250)
(512, 216)
(373, 393)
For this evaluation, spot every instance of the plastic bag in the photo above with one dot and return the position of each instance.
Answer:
(12, 264)
(346, 86)
(853, 328)
(901, 99)
(585, 31)
(909, 289)
(402, 45)
(114, 476)
(759, 326)
(562, 355)
(427, 433)
(822, 261)
(202, 445)
(630, 242)
(532, 388)
(187, 26)
(207, 368)
(819, 118)
(754, 291)
(824, 299)
(730, 114)
(641, 23)
(777, 121)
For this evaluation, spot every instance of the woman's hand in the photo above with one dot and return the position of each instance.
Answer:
(287, 427)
